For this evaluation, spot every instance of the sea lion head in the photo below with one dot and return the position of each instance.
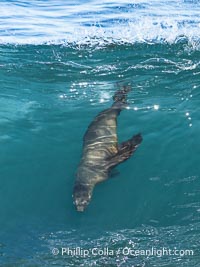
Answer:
(82, 195)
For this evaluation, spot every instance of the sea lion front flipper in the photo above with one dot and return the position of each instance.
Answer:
(114, 173)
(125, 150)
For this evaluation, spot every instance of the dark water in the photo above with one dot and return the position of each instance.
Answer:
(60, 64)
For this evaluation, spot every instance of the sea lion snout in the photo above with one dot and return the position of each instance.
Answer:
(81, 205)
(82, 196)
(81, 202)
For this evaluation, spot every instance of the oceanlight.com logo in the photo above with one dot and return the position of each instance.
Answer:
(126, 251)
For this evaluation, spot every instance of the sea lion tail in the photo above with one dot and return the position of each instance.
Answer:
(120, 97)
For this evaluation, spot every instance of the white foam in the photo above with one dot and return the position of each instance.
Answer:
(99, 23)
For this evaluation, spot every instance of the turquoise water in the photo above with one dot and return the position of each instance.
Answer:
(50, 92)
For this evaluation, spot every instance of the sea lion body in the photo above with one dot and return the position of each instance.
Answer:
(101, 151)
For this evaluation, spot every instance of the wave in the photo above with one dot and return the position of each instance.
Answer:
(99, 24)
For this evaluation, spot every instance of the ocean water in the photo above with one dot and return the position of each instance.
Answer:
(60, 64)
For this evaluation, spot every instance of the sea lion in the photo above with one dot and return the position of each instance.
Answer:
(101, 151)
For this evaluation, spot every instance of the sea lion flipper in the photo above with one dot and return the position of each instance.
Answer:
(132, 143)
(113, 173)
(120, 95)
(125, 150)
(120, 98)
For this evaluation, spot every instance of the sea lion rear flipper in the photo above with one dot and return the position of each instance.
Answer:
(120, 97)
(121, 94)
(125, 150)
